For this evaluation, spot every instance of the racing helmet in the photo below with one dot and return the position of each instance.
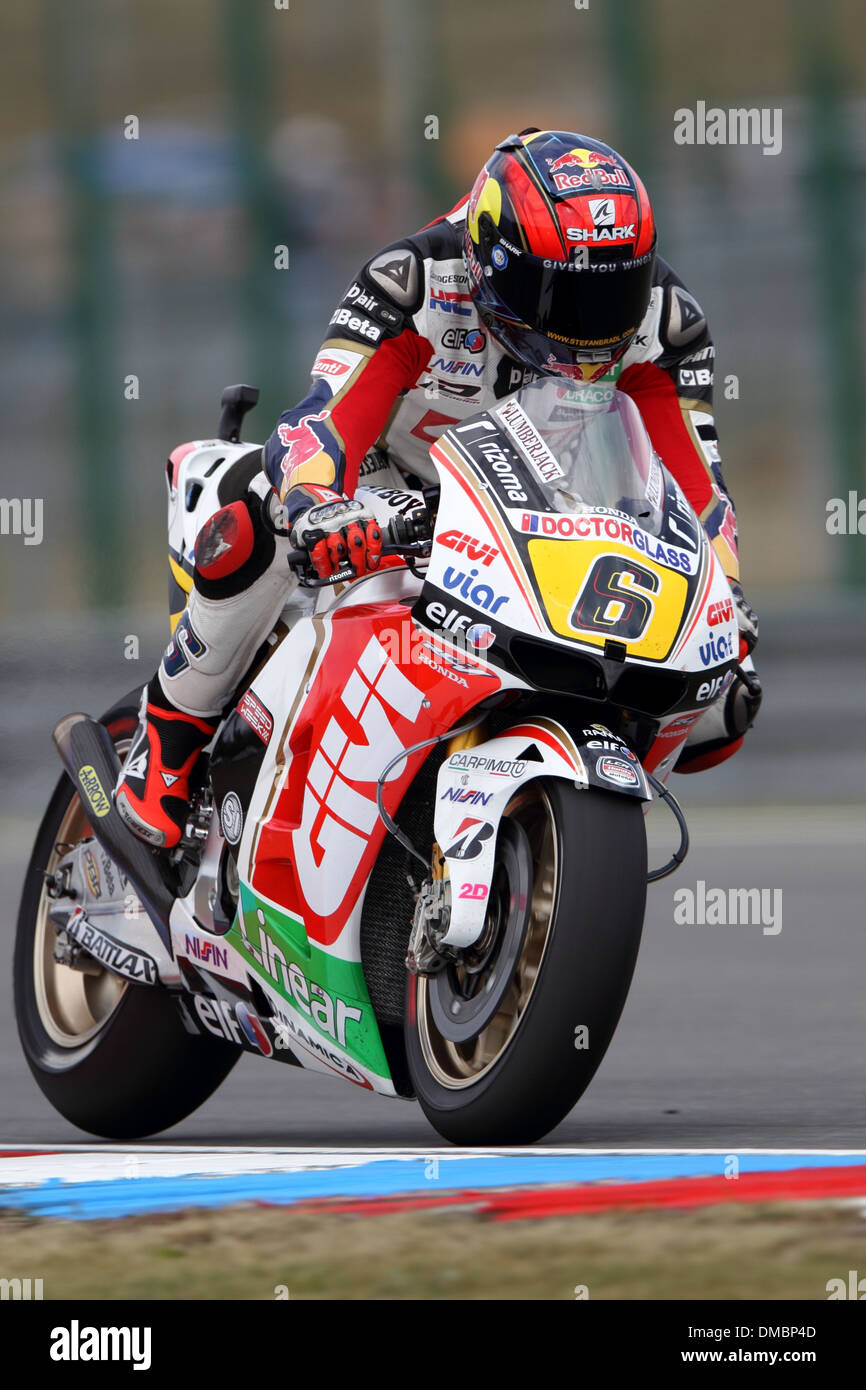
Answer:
(560, 245)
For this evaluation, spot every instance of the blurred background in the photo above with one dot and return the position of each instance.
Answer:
(138, 278)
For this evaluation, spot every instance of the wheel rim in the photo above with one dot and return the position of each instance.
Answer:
(73, 1007)
(458, 1064)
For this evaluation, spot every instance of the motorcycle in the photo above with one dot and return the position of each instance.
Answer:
(415, 855)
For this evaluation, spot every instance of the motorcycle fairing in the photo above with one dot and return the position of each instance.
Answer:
(312, 844)
(369, 685)
(476, 784)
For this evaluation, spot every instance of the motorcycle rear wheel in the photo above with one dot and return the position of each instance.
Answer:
(555, 963)
(111, 1057)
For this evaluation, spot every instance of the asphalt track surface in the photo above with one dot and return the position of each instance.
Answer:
(731, 1036)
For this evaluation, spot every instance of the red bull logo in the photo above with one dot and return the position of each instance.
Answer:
(587, 159)
(593, 170)
(301, 442)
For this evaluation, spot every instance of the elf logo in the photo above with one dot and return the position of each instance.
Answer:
(708, 690)
(472, 339)
(474, 550)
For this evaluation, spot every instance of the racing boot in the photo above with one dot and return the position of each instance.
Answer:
(152, 792)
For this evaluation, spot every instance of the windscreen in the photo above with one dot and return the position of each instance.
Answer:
(588, 447)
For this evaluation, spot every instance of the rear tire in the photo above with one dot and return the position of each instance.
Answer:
(111, 1057)
(520, 1074)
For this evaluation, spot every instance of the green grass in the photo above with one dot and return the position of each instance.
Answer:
(759, 1252)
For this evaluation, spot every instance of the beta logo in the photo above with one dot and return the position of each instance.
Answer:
(365, 328)
(695, 376)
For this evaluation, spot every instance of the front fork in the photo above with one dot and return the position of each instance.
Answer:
(433, 908)
(476, 782)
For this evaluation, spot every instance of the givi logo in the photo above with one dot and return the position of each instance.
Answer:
(721, 612)
(338, 817)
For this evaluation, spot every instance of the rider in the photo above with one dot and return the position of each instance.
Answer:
(548, 267)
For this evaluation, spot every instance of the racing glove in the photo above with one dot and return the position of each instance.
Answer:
(337, 532)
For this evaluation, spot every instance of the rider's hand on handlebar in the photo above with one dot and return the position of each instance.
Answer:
(339, 532)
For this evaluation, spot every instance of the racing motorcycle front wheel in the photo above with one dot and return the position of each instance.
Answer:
(113, 1058)
(504, 1041)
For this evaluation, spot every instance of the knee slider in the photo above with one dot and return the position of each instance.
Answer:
(225, 542)
(233, 550)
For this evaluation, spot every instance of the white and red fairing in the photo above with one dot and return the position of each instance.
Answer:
(366, 693)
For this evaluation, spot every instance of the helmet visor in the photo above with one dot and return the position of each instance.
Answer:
(591, 310)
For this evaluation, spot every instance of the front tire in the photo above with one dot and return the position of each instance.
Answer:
(564, 970)
(111, 1057)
